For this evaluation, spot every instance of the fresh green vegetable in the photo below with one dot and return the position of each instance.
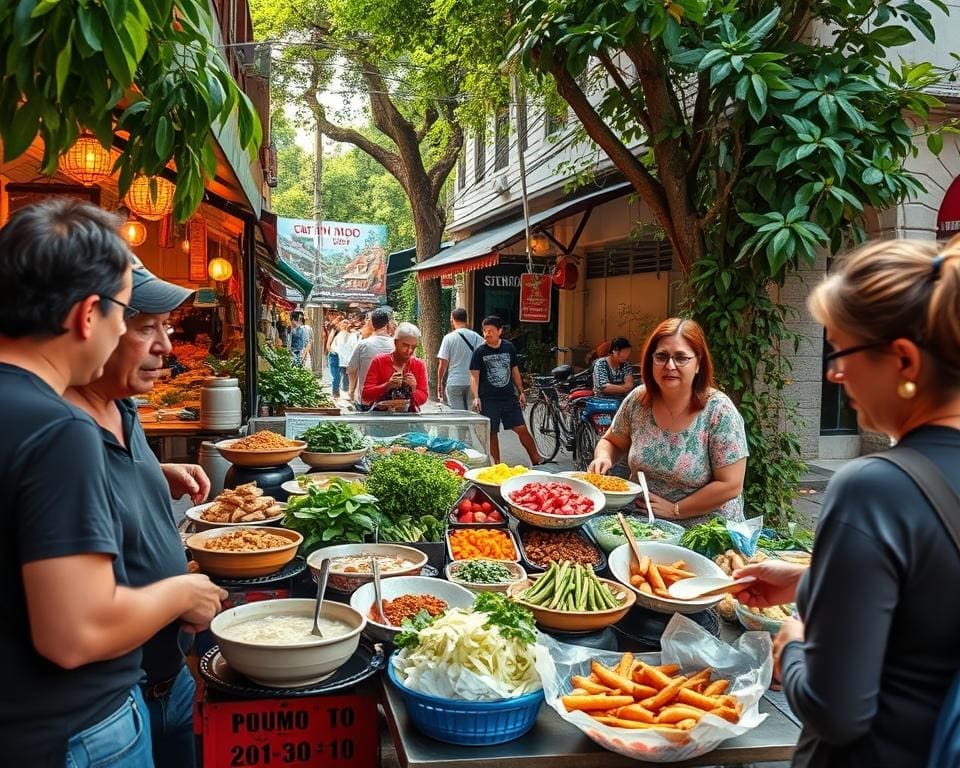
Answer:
(570, 587)
(610, 526)
(332, 437)
(514, 621)
(427, 528)
(708, 539)
(341, 513)
(411, 485)
(408, 636)
(484, 572)
(798, 539)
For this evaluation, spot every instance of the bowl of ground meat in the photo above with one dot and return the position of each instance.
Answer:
(243, 553)
(403, 598)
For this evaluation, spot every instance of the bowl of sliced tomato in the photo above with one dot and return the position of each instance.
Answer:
(552, 501)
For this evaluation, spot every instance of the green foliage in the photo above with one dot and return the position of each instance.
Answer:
(766, 130)
(332, 437)
(150, 69)
(511, 619)
(405, 300)
(287, 384)
(410, 483)
(341, 513)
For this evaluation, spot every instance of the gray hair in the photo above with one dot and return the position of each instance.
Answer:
(407, 330)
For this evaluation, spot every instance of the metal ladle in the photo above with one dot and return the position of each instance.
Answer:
(321, 588)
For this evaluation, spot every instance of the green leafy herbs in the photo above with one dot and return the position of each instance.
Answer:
(427, 528)
(412, 486)
(332, 437)
(709, 539)
(797, 539)
(484, 572)
(511, 619)
(409, 634)
(341, 513)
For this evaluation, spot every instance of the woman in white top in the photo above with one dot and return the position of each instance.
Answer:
(343, 345)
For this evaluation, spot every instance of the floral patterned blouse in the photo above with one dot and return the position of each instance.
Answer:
(677, 464)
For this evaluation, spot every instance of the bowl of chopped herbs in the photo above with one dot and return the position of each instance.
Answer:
(332, 445)
(485, 575)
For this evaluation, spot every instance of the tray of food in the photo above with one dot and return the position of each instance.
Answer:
(539, 548)
(476, 507)
(244, 505)
(483, 542)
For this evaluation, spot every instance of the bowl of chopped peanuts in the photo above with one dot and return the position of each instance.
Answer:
(243, 553)
(618, 492)
(261, 449)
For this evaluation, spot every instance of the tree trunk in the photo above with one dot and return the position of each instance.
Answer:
(428, 227)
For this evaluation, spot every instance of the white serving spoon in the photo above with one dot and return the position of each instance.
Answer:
(642, 481)
(706, 586)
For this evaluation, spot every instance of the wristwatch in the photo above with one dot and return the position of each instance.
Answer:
(676, 509)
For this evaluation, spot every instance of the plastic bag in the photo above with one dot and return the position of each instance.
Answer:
(748, 666)
(745, 534)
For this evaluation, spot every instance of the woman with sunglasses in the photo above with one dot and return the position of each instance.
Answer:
(868, 668)
(686, 436)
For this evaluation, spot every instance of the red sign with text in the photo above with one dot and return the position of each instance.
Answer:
(319, 732)
(534, 298)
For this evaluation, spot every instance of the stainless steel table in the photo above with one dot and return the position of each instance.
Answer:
(554, 743)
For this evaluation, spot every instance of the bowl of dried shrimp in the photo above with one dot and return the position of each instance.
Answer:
(618, 492)
(404, 597)
(243, 553)
(244, 505)
(261, 449)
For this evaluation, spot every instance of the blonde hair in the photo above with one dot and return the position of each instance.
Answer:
(898, 289)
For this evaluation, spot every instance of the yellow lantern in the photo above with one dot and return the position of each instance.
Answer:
(220, 269)
(134, 232)
(151, 204)
(87, 161)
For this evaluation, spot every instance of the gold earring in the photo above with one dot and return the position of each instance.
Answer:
(907, 390)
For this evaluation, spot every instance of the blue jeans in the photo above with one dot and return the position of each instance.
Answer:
(344, 380)
(333, 360)
(120, 740)
(171, 724)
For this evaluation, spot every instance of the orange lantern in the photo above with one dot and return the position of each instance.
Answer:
(87, 161)
(151, 197)
(134, 232)
(566, 274)
(220, 269)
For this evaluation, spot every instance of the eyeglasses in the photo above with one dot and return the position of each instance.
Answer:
(660, 359)
(836, 355)
(128, 311)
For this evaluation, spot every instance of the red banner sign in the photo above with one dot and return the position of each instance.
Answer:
(534, 298)
(327, 731)
(448, 281)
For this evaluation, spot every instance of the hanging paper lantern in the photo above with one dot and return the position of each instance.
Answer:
(220, 269)
(134, 232)
(566, 274)
(151, 197)
(87, 161)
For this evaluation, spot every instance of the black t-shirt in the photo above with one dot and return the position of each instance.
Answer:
(56, 502)
(881, 614)
(496, 370)
(152, 549)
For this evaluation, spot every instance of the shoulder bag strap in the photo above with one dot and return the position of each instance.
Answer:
(463, 338)
(932, 484)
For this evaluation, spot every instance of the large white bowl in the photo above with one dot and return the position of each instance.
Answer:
(615, 499)
(363, 599)
(348, 582)
(546, 520)
(343, 460)
(471, 475)
(618, 562)
(295, 664)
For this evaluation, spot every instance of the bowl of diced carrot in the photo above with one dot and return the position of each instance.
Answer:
(470, 543)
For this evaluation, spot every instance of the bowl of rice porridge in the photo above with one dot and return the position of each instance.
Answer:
(270, 641)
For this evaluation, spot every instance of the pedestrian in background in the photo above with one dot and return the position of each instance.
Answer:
(378, 342)
(456, 352)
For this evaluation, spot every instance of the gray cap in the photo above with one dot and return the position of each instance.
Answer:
(153, 296)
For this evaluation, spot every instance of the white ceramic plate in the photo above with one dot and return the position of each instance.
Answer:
(615, 499)
(194, 514)
(294, 488)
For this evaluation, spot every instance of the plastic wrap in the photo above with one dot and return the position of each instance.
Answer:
(748, 666)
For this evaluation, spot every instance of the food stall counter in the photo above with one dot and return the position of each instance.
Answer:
(554, 743)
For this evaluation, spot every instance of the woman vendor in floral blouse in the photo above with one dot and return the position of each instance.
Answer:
(686, 436)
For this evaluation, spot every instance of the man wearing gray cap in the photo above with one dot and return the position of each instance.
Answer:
(151, 544)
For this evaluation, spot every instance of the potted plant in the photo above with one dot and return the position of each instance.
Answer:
(285, 386)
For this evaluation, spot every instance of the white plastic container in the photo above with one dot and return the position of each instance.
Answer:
(220, 404)
(214, 465)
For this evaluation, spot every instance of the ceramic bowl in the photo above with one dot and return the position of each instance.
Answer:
(546, 520)
(754, 620)
(614, 499)
(363, 599)
(343, 460)
(576, 621)
(517, 573)
(242, 565)
(291, 665)
(273, 457)
(348, 581)
(663, 554)
(609, 539)
(471, 475)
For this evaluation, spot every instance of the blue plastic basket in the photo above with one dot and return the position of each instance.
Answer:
(469, 723)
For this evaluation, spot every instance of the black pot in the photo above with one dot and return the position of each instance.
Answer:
(268, 478)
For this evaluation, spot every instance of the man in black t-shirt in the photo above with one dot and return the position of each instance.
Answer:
(498, 389)
(71, 626)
